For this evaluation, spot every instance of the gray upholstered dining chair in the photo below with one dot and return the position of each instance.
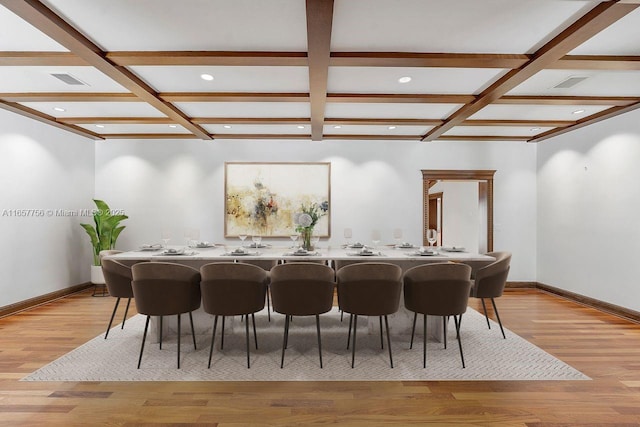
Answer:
(165, 289)
(266, 265)
(439, 289)
(232, 289)
(369, 289)
(302, 289)
(490, 282)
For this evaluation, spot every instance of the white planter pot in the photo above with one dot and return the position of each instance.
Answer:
(97, 278)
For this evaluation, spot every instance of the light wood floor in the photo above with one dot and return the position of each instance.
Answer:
(602, 346)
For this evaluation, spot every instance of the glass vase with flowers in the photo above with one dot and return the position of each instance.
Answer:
(306, 220)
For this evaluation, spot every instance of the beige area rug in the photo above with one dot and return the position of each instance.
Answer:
(487, 355)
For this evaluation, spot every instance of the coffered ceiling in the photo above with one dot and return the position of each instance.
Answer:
(513, 70)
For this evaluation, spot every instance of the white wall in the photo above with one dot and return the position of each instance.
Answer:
(589, 211)
(460, 213)
(43, 168)
(178, 184)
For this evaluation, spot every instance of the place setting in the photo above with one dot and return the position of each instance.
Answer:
(176, 252)
(150, 247)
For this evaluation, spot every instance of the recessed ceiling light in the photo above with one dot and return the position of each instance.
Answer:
(534, 129)
(207, 77)
(99, 126)
(227, 126)
(300, 127)
(173, 126)
(337, 127)
(405, 79)
(578, 112)
(391, 127)
(59, 109)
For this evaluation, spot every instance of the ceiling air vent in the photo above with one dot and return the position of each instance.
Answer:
(69, 79)
(570, 82)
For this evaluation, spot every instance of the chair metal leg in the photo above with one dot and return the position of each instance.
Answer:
(246, 327)
(222, 335)
(112, 316)
(178, 341)
(486, 316)
(498, 317)
(444, 330)
(268, 306)
(413, 329)
(353, 350)
(126, 310)
(424, 340)
(455, 319)
(255, 336)
(213, 337)
(381, 340)
(386, 324)
(193, 331)
(144, 337)
(284, 340)
(160, 333)
(319, 339)
(341, 314)
(350, 325)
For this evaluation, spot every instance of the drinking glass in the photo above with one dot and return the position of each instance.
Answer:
(314, 241)
(256, 239)
(397, 236)
(242, 237)
(375, 238)
(432, 236)
(293, 238)
(348, 234)
(166, 236)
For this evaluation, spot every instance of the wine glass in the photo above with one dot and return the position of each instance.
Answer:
(166, 236)
(314, 241)
(397, 236)
(242, 237)
(256, 239)
(293, 238)
(375, 238)
(348, 234)
(432, 236)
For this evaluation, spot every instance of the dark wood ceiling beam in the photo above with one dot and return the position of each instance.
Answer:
(383, 121)
(149, 136)
(597, 62)
(319, 23)
(261, 136)
(414, 98)
(233, 97)
(410, 59)
(216, 58)
(483, 138)
(45, 20)
(68, 97)
(363, 137)
(567, 100)
(252, 120)
(45, 118)
(600, 17)
(594, 118)
(64, 59)
(523, 123)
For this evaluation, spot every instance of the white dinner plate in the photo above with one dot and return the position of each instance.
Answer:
(183, 253)
(423, 253)
(149, 248)
(453, 249)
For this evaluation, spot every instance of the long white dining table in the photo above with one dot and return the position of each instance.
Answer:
(406, 258)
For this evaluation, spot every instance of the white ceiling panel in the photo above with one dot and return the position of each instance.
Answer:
(257, 129)
(189, 24)
(392, 111)
(226, 79)
(470, 26)
(423, 80)
(598, 83)
(375, 130)
(137, 128)
(17, 35)
(39, 79)
(496, 131)
(95, 109)
(245, 109)
(536, 112)
(621, 38)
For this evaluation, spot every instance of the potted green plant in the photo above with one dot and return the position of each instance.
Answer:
(103, 234)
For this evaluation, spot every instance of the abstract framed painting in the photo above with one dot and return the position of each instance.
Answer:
(263, 198)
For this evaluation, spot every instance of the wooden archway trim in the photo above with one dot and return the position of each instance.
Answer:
(485, 187)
